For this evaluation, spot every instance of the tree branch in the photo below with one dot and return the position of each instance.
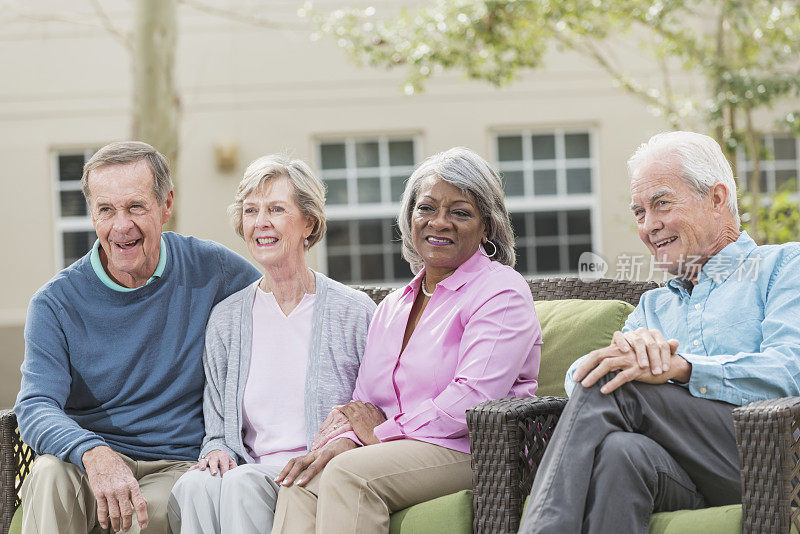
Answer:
(244, 18)
(122, 37)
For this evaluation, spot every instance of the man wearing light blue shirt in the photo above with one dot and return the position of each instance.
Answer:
(649, 422)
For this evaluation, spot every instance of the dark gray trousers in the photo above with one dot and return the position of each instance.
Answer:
(615, 459)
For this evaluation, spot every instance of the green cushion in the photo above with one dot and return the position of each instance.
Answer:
(570, 329)
(451, 514)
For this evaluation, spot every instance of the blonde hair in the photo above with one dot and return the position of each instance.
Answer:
(309, 192)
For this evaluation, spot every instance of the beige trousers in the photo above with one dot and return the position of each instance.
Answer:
(57, 498)
(358, 489)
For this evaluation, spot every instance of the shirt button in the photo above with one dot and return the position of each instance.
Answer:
(697, 307)
(696, 342)
(703, 390)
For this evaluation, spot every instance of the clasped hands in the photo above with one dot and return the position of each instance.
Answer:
(356, 416)
(642, 355)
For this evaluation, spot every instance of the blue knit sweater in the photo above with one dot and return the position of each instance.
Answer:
(124, 369)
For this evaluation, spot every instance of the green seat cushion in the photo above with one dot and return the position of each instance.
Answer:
(570, 329)
(451, 514)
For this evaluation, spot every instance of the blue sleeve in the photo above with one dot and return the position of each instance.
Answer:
(237, 272)
(772, 372)
(45, 386)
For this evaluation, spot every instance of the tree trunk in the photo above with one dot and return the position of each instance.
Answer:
(754, 183)
(156, 108)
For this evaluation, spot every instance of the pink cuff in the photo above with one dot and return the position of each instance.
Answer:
(389, 430)
(349, 434)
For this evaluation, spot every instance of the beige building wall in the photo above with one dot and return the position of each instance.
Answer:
(68, 86)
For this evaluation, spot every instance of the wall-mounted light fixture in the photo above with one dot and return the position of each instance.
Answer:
(227, 156)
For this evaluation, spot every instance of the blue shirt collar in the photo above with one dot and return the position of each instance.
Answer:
(721, 265)
(101, 273)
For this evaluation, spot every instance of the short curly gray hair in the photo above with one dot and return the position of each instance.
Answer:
(309, 192)
(471, 173)
(125, 152)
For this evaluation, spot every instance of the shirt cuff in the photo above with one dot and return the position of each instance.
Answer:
(349, 435)
(707, 377)
(389, 430)
(76, 455)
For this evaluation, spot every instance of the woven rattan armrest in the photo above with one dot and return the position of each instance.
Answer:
(507, 439)
(11, 462)
(768, 436)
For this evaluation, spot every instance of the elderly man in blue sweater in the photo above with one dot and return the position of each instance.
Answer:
(649, 426)
(112, 381)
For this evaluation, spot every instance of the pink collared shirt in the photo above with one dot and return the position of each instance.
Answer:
(478, 339)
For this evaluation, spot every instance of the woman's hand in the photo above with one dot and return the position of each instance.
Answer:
(336, 423)
(363, 417)
(312, 463)
(216, 460)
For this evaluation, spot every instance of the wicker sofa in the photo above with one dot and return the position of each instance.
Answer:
(509, 436)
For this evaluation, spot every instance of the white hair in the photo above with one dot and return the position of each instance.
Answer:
(469, 172)
(702, 162)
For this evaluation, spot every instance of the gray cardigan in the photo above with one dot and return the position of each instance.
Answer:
(339, 332)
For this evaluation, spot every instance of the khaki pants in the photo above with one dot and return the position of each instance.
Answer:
(56, 496)
(358, 489)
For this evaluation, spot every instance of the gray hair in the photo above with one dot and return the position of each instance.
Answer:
(702, 162)
(309, 192)
(469, 172)
(130, 152)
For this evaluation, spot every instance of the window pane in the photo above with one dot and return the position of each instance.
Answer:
(70, 167)
(579, 181)
(338, 234)
(518, 224)
(545, 223)
(367, 154)
(369, 190)
(544, 146)
(576, 145)
(76, 244)
(578, 223)
(370, 232)
(544, 182)
(513, 183)
(785, 148)
(372, 267)
(398, 185)
(522, 260)
(762, 182)
(337, 191)
(401, 153)
(72, 204)
(402, 270)
(786, 179)
(575, 252)
(332, 156)
(547, 259)
(509, 148)
(339, 267)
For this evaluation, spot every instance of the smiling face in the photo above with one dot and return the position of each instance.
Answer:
(681, 229)
(446, 227)
(274, 227)
(127, 219)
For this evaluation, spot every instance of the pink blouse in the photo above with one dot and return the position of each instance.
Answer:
(478, 339)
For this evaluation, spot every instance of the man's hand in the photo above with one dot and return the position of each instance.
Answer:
(216, 460)
(651, 348)
(336, 423)
(363, 417)
(312, 463)
(603, 361)
(115, 489)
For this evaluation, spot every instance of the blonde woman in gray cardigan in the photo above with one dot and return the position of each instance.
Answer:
(279, 355)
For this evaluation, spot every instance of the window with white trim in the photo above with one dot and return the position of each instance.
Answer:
(74, 231)
(778, 171)
(365, 178)
(549, 178)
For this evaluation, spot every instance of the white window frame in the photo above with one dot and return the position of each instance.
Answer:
(355, 211)
(66, 224)
(561, 201)
(744, 166)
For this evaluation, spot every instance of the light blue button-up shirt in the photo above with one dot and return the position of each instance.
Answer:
(739, 327)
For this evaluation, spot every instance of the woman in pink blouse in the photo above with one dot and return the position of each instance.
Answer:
(462, 332)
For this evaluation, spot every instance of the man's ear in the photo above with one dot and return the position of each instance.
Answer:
(166, 209)
(718, 194)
